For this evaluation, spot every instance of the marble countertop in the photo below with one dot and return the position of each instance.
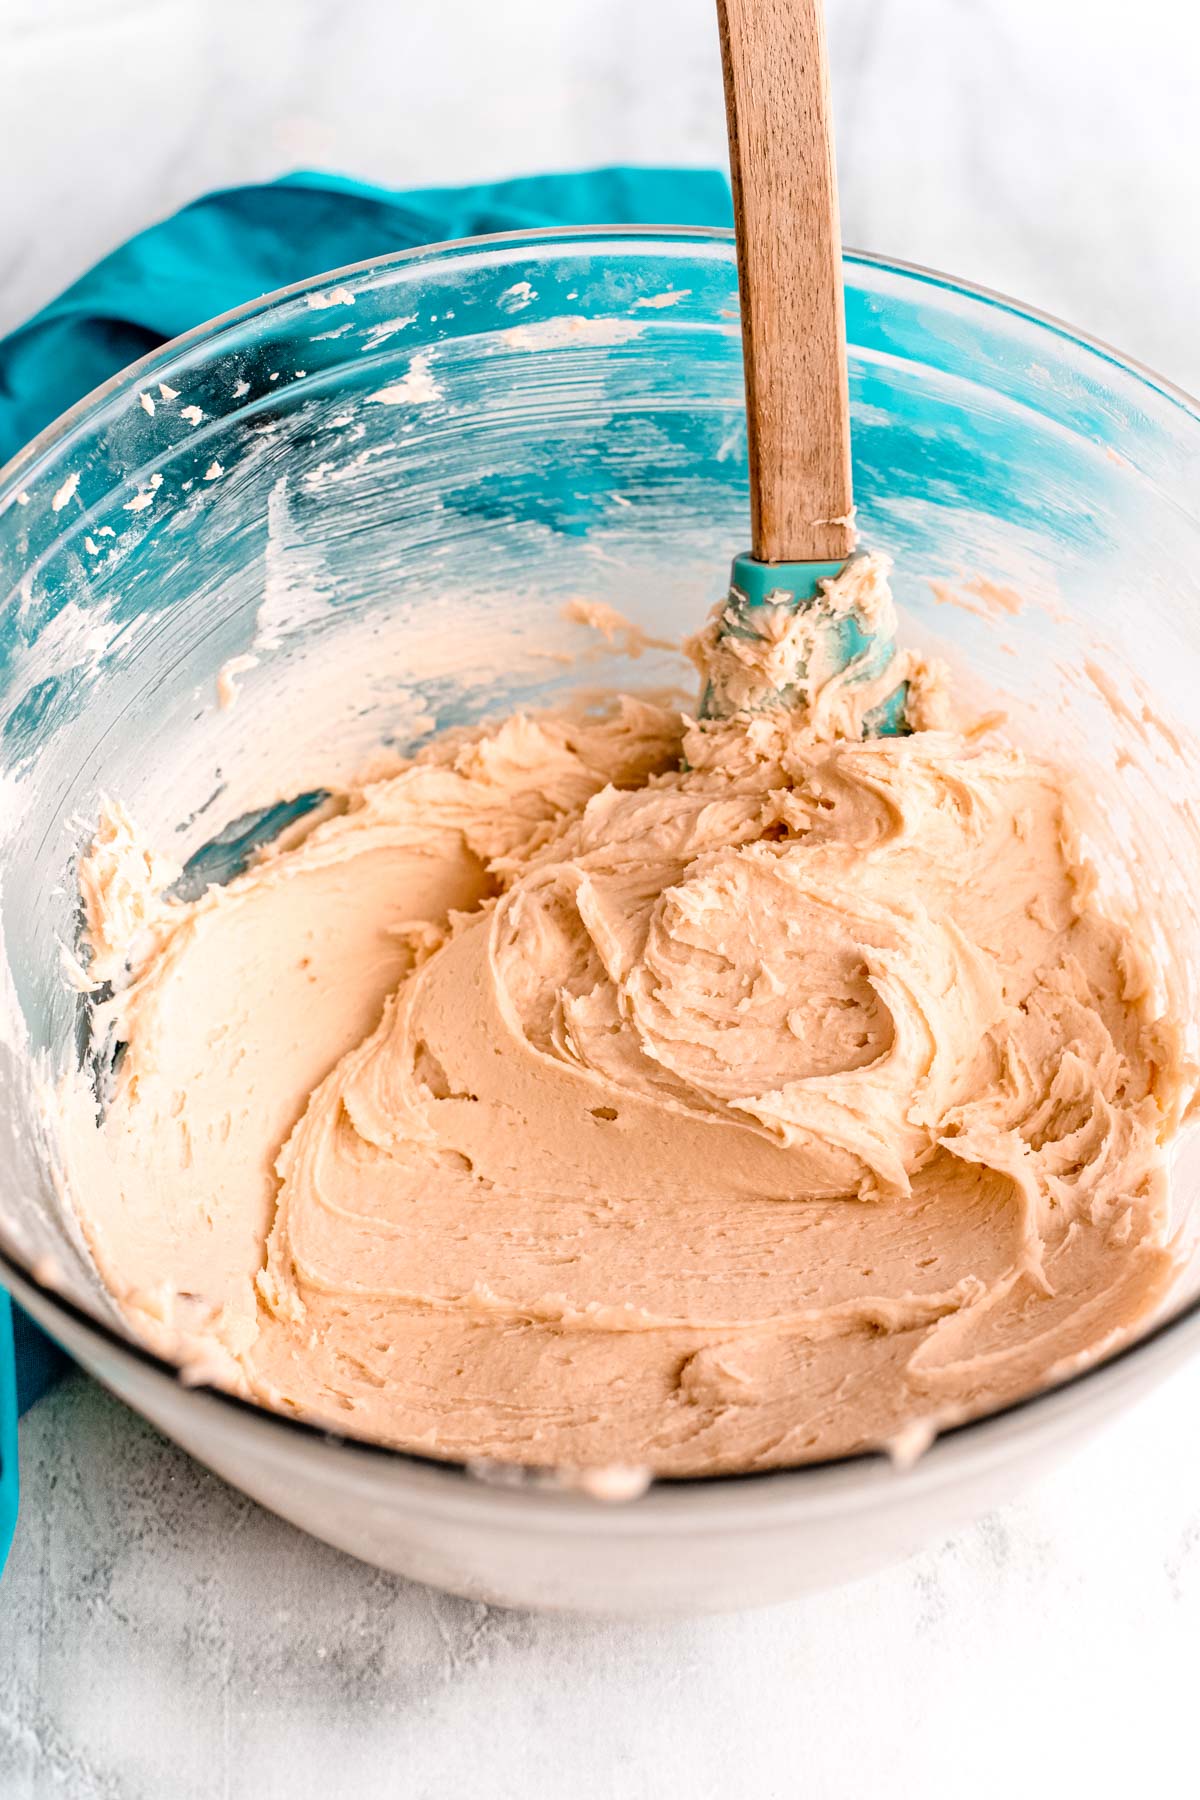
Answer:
(159, 1635)
(1003, 140)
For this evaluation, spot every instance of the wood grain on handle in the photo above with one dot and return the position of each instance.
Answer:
(790, 276)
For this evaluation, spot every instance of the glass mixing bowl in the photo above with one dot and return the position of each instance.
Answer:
(402, 470)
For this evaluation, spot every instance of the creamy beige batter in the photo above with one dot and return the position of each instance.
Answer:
(631, 1090)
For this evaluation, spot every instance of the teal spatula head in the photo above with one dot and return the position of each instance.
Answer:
(815, 637)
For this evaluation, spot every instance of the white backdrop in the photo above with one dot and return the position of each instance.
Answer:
(1050, 148)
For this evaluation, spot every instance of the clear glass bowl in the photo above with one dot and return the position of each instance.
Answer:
(406, 468)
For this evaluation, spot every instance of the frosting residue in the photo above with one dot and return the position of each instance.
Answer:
(617, 1089)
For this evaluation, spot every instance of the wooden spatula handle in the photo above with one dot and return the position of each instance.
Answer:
(790, 275)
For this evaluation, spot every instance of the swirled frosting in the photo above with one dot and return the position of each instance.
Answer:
(622, 1089)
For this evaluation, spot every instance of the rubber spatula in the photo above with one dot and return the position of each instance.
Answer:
(793, 328)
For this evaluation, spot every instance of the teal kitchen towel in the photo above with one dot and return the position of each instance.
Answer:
(229, 247)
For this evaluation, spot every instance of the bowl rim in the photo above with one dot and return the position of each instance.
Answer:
(972, 1430)
(442, 251)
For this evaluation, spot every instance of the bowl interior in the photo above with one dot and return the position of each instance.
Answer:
(377, 492)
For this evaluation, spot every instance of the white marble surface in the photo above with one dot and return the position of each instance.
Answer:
(1044, 147)
(159, 1636)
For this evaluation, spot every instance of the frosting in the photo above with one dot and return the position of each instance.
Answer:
(617, 1089)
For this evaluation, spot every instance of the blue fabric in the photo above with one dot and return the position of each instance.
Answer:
(229, 247)
(40, 1362)
(9, 1482)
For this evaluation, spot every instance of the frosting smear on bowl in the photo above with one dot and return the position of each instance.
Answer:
(620, 1089)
